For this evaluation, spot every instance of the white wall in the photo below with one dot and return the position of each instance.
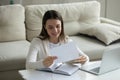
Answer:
(113, 9)
(6, 2)
(109, 8)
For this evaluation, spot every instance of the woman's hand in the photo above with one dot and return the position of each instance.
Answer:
(49, 60)
(81, 60)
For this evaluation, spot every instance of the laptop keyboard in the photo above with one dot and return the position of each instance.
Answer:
(95, 69)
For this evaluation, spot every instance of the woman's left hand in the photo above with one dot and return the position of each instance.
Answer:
(81, 59)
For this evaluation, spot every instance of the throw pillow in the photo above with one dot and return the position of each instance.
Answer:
(106, 33)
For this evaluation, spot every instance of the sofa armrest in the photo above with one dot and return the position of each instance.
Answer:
(109, 21)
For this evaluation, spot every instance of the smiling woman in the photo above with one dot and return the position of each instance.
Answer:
(52, 35)
(52, 25)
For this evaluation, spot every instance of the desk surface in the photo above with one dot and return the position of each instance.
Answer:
(79, 75)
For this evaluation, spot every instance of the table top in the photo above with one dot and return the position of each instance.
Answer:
(79, 75)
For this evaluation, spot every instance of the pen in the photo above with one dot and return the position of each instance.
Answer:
(59, 66)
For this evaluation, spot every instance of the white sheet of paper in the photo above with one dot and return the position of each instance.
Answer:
(65, 52)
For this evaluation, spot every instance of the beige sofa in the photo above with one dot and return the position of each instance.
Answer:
(18, 26)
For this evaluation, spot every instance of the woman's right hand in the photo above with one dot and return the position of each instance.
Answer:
(49, 60)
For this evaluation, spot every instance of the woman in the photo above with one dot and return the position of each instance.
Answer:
(52, 35)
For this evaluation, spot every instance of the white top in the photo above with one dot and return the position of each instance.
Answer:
(39, 50)
(52, 45)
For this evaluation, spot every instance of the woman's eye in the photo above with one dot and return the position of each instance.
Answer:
(50, 27)
(58, 26)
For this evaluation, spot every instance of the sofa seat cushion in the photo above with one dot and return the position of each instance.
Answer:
(13, 54)
(91, 46)
(12, 25)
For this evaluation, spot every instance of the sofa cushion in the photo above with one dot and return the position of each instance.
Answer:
(74, 14)
(13, 55)
(91, 46)
(10, 75)
(106, 33)
(12, 23)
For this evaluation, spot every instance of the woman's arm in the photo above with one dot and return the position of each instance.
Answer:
(31, 61)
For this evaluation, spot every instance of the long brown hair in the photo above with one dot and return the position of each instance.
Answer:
(51, 14)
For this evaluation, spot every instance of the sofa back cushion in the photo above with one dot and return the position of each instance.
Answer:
(74, 14)
(12, 25)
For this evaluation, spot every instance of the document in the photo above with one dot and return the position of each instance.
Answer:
(65, 52)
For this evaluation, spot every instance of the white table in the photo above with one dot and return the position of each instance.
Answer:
(79, 75)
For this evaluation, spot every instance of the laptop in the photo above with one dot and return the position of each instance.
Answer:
(110, 61)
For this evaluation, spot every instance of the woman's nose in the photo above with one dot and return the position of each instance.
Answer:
(55, 29)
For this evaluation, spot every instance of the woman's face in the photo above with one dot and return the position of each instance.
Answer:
(53, 28)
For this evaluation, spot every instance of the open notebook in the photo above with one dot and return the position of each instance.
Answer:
(65, 53)
(65, 69)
